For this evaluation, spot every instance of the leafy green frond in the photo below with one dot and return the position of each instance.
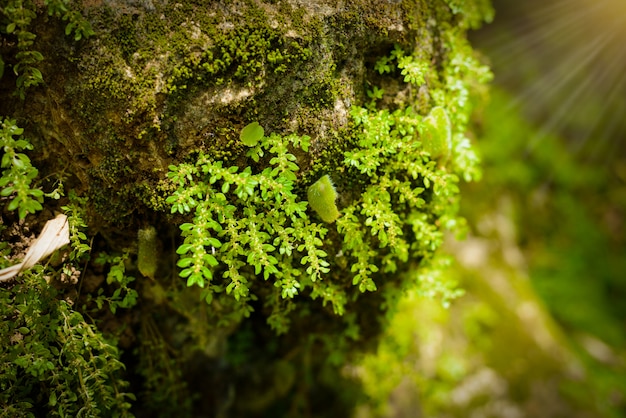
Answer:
(17, 17)
(246, 225)
(53, 361)
(17, 171)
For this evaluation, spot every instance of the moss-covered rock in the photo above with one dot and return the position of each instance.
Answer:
(144, 119)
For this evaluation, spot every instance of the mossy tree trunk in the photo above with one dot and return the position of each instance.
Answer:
(375, 94)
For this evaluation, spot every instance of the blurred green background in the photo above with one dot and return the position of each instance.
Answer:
(541, 329)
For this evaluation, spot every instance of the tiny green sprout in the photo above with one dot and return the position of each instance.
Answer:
(251, 134)
(322, 196)
(437, 134)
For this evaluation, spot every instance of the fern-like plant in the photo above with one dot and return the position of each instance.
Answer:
(247, 225)
(18, 172)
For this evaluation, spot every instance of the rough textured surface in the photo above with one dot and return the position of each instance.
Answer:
(164, 79)
(146, 116)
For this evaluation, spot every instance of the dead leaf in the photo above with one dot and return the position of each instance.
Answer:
(55, 234)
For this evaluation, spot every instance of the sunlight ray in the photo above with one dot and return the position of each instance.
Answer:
(551, 84)
(535, 34)
(566, 62)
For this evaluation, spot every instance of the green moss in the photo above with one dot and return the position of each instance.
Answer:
(153, 196)
(321, 94)
(241, 54)
(126, 35)
(172, 86)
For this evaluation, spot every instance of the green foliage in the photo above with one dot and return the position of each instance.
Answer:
(76, 23)
(18, 173)
(414, 71)
(472, 13)
(247, 225)
(249, 237)
(75, 211)
(123, 296)
(455, 92)
(405, 196)
(374, 94)
(250, 223)
(382, 65)
(52, 362)
(408, 192)
(16, 17)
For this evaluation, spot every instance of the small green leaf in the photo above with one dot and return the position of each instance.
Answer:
(195, 279)
(251, 134)
(214, 242)
(210, 260)
(36, 76)
(183, 249)
(13, 205)
(52, 401)
(184, 262)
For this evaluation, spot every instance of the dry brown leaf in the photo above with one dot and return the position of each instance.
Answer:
(55, 234)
